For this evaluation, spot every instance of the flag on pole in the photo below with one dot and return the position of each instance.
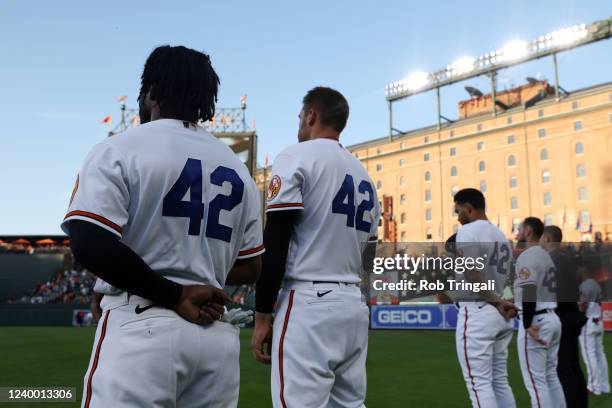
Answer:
(254, 126)
(135, 120)
(108, 119)
(243, 99)
(121, 99)
(266, 160)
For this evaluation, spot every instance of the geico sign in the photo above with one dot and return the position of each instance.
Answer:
(404, 316)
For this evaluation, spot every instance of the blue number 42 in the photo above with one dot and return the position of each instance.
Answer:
(190, 180)
(344, 203)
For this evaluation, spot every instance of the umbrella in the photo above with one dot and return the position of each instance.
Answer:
(46, 241)
(21, 241)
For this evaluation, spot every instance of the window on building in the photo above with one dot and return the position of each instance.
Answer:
(480, 146)
(379, 184)
(547, 198)
(453, 171)
(579, 148)
(403, 218)
(509, 120)
(511, 160)
(578, 125)
(428, 214)
(483, 186)
(548, 219)
(580, 171)
(543, 154)
(516, 223)
(582, 194)
(451, 133)
(541, 133)
(540, 113)
(378, 166)
(428, 234)
(426, 157)
(511, 139)
(514, 203)
(426, 139)
(427, 195)
(574, 105)
(380, 222)
(401, 146)
(479, 127)
(403, 199)
(481, 166)
(453, 151)
(454, 190)
(545, 176)
(402, 181)
(377, 151)
(403, 236)
(427, 176)
(402, 162)
(513, 182)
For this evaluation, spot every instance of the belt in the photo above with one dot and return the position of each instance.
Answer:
(595, 320)
(334, 283)
(543, 311)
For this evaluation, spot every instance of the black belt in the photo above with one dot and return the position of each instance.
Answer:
(595, 320)
(332, 282)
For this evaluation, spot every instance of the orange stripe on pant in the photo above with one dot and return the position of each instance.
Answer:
(280, 349)
(95, 362)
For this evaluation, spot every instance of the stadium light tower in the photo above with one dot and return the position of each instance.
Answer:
(513, 53)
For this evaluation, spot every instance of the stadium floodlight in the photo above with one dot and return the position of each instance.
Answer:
(515, 52)
(461, 66)
(416, 80)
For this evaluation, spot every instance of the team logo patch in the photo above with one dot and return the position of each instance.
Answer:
(274, 187)
(524, 273)
(74, 190)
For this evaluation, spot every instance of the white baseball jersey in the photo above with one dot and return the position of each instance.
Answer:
(534, 266)
(176, 195)
(482, 239)
(590, 292)
(340, 210)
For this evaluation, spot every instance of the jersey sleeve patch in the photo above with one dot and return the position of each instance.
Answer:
(274, 187)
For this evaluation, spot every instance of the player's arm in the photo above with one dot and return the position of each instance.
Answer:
(529, 309)
(101, 252)
(244, 271)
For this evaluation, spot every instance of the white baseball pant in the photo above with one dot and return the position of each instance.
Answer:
(594, 356)
(148, 356)
(539, 362)
(319, 346)
(482, 338)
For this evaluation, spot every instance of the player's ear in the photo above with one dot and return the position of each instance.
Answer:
(311, 117)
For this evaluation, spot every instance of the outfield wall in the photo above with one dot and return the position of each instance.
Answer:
(435, 317)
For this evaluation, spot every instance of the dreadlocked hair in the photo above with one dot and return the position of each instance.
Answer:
(183, 83)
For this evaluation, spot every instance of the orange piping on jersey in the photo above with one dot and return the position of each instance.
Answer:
(250, 251)
(96, 217)
(285, 205)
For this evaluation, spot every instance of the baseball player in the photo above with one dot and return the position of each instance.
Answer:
(535, 291)
(322, 210)
(484, 328)
(166, 215)
(591, 337)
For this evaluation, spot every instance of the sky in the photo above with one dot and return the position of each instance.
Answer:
(64, 62)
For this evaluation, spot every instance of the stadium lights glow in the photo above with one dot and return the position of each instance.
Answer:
(513, 52)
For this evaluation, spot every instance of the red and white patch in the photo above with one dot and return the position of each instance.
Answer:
(274, 187)
(524, 274)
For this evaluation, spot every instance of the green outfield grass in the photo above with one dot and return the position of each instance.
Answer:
(405, 368)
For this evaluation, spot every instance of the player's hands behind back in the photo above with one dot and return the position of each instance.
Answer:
(201, 304)
(261, 343)
(534, 332)
(507, 309)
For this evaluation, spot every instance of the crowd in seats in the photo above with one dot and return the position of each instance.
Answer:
(68, 287)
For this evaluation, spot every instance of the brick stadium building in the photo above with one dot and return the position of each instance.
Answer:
(537, 156)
